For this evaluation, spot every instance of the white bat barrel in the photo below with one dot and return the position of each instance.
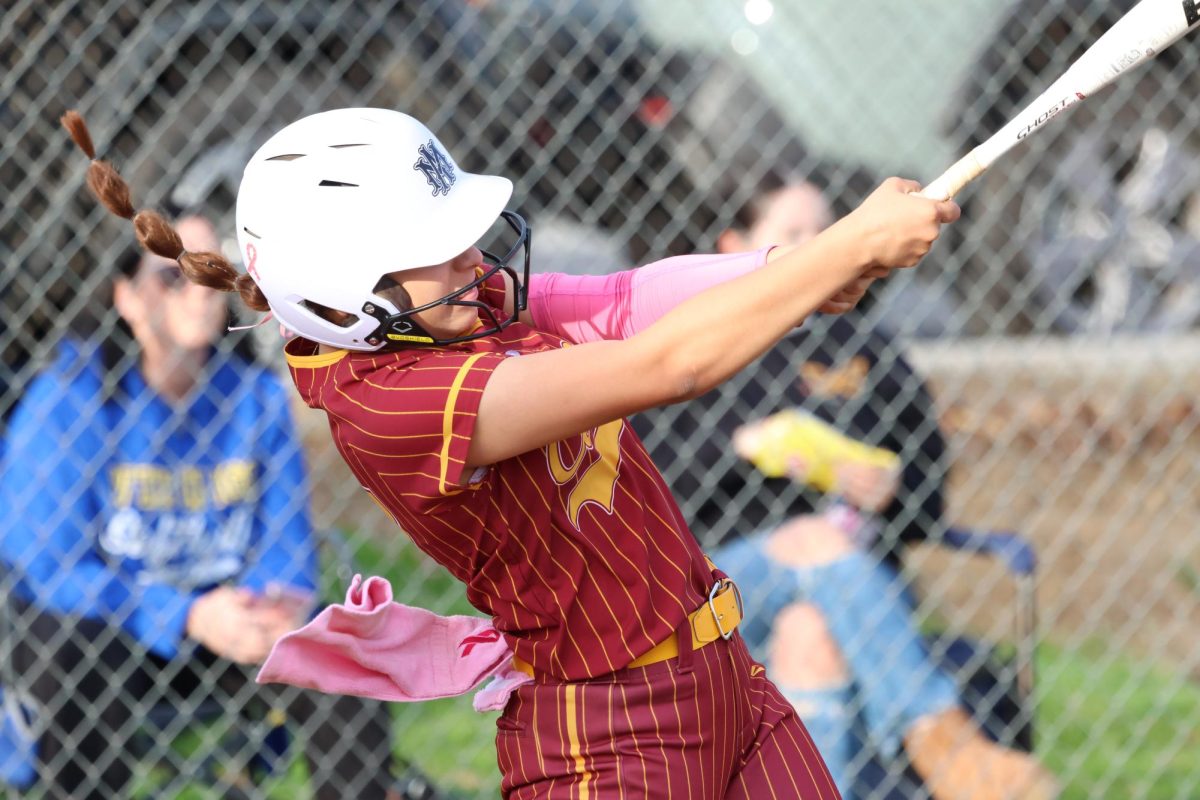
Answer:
(1149, 28)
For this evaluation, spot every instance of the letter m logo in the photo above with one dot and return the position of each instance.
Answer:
(1191, 11)
(436, 167)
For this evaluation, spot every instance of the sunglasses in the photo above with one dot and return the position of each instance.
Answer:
(170, 277)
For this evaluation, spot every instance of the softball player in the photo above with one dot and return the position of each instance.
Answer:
(485, 414)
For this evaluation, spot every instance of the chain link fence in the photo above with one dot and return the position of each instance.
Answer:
(1036, 375)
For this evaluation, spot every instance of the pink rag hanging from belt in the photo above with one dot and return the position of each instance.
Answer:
(371, 646)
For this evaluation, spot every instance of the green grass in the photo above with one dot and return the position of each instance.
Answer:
(451, 743)
(415, 579)
(1117, 727)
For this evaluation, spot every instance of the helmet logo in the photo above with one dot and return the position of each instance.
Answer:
(436, 167)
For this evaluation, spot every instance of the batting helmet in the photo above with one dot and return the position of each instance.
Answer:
(336, 200)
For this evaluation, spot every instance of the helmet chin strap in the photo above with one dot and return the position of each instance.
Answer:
(401, 329)
(398, 330)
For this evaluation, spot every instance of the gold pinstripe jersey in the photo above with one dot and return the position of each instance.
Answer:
(577, 549)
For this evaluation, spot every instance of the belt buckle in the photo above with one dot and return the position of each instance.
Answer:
(712, 606)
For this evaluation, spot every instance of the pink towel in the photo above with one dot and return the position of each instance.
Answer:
(374, 647)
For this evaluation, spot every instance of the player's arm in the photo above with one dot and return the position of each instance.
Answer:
(591, 308)
(548, 396)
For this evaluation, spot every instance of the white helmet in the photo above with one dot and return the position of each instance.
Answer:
(334, 201)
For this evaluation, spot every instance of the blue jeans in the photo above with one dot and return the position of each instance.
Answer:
(892, 683)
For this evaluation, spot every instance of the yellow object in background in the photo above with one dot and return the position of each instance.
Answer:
(782, 438)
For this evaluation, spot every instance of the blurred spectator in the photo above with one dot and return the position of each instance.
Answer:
(825, 605)
(158, 538)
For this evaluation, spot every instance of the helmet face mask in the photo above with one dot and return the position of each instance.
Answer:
(402, 329)
(334, 201)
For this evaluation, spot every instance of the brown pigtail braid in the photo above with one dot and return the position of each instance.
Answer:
(251, 295)
(154, 232)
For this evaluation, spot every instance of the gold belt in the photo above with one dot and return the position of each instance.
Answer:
(716, 619)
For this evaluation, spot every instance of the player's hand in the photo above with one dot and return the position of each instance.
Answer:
(868, 487)
(852, 293)
(896, 226)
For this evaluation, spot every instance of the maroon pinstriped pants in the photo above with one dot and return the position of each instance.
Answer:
(706, 726)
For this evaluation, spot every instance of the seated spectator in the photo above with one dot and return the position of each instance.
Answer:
(156, 529)
(825, 606)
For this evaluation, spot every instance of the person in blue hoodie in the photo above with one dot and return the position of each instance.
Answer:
(158, 539)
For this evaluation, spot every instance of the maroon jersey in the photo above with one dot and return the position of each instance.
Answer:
(576, 549)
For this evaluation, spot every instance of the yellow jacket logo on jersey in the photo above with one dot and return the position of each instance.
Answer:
(589, 464)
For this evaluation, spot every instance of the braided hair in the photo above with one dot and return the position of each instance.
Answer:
(154, 232)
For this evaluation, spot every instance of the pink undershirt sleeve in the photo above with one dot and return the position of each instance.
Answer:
(588, 308)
